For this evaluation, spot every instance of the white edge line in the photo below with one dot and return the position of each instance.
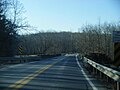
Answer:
(91, 84)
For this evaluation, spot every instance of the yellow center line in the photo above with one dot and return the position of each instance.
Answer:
(25, 80)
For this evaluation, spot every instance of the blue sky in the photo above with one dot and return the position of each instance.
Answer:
(69, 15)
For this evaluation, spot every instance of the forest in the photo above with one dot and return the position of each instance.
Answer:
(90, 39)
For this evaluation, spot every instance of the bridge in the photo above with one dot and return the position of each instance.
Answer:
(67, 72)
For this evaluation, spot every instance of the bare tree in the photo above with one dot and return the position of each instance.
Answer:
(11, 22)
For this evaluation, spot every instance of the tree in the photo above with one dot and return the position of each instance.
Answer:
(9, 27)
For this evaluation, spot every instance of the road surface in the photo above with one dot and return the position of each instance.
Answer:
(58, 73)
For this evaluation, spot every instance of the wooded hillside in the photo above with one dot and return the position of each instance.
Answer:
(91, 39)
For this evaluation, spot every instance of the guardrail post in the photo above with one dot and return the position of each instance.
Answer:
(96, 72)
(118, 87)
(93, 70)
(100, 75)
(107, 78)
(107, 74)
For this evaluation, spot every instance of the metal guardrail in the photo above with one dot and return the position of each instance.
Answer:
(13, 60)
(111, 73)
(24, 58)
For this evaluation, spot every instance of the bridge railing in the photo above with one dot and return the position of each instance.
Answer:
(20, 59)
(24, 58)
(110, 74)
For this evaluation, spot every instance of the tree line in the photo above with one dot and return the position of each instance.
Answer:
(90, 39)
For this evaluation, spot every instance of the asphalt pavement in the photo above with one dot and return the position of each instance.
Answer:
(58, 73)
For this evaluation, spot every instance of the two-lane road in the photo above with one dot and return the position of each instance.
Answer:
(58, 73)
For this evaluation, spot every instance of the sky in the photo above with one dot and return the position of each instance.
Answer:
(69, 15)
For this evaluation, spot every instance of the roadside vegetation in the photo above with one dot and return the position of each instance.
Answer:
(90, 39)
(11, 22)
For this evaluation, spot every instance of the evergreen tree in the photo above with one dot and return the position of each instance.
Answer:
(8, 34)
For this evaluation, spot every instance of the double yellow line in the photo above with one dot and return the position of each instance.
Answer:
(25, 80)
